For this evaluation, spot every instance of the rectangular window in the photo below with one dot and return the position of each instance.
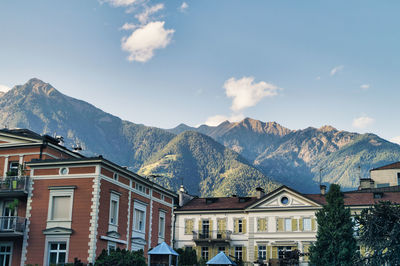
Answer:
(306, 224)
(140, 188)
(262, 252)
(61, 208)
(240, 226)
(288, 224)
(13, 169)
(261, 224)
(114, 207)
(139, 220)
(238, 253)
(5, 254)
(161, 225)
(205, 229)
(57, 252)
(204, 253)
(398, 179)
(282, 251)
(111, 246)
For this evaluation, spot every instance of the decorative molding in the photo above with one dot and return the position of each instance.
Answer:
(94, 218)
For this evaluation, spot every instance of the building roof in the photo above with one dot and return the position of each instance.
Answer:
(163, 249)
(395, 165)
(225, 203)
(221, 259)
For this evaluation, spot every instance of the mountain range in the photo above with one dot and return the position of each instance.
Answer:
(231, 158)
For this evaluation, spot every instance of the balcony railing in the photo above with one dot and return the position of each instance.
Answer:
(14, 184)
(12, 225)
(214, 235)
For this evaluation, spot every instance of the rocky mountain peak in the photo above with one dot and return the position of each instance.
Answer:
(327, 128)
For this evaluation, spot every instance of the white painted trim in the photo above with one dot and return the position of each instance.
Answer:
(5, 166)
(55, 238)
(29, 153)
(66, 223)
(151, 217)
(41, 177)
(114, 197)
(94, 216)
(9, 243)
(114, 240)
(129, 217)
(28, 216)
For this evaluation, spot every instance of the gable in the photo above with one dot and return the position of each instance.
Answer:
(6, 140)
(283, 198)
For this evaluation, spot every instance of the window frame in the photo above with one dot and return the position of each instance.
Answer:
(114, 197)
(240, 225)
(205, 250)
(55, 239)
(161, 226)
(12, 168)
(239, 250)
(137, 206)
(289, 227)
(11, 245)
(304, 224)
(111, 245)
(60, 192)
(262, 251)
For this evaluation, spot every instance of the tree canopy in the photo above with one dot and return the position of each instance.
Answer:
(335, 243)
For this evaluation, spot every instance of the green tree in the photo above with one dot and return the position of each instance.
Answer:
(380, 233)
(120, 257)
(335, 243)
(187, 256)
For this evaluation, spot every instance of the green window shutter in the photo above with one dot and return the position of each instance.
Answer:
(269, 252)
(258, 225)
(280, 224)
(294, 224)
(313, 224)
(306, 248)
(198, 250)
(210, 222)
(200, 224)
(236, 226)
(244, 226)
(255, 252)
(244, 253)
(274, 252)
(233, 251)
(301, 227)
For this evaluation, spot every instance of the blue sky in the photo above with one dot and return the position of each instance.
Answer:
(161, 63)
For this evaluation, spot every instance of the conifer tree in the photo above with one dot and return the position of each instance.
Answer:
(335, 243)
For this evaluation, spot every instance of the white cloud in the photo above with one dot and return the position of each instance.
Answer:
(365, 86)
(395, 139)
(4, 88)
(144, 40)
(145, 16)
(363, 122)
(118, 3)
(183, 7)
(218, 119)
(246, 93)
(336, 70)
(129, 26)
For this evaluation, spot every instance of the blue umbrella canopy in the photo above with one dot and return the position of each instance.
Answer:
(163, 249)
(221, 259)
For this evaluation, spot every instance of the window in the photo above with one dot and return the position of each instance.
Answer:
(282, 251)
(140, 188)
(111, 246)
(238, 253)
(115, 176)
(205, 233)
(60, 206)
(221, 249)
(288, 224)
(139, 220)
(284, 200)
(13, 169)
(262, 252)
(240, 226)
(382, 185)
(57, 252)
(306, 224)
(204, 253)
(5, 254)
(64, 171)
(398, 179)
(162, 197)
(161, 224)
(114, 206)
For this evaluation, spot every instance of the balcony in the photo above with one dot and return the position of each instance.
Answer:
(212, 236)
(12, 226)
(12, 186)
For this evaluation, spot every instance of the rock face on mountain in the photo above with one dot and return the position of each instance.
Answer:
(38, 106)
(233, 158)
(299, 158)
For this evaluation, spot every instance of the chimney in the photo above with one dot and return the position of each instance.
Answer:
(184, 197)
(322, 189)
(366, 183)
(260, 192)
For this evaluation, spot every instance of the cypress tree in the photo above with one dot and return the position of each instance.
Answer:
(335, 243)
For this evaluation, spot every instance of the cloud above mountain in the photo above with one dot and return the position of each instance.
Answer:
(246, 93)
(336, 69)
(363, 122)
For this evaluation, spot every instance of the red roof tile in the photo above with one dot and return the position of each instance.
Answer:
(395, 165)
